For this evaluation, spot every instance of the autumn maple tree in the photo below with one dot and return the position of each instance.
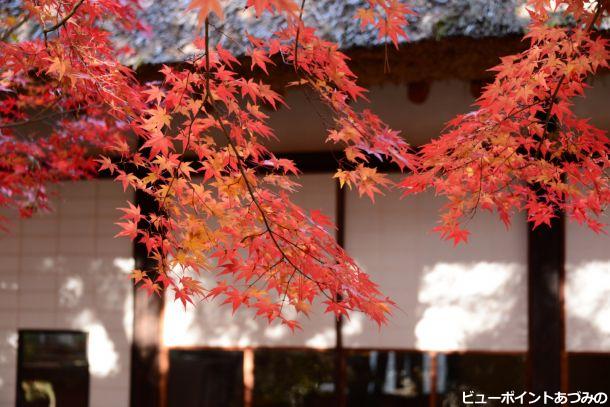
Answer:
(524, 149)
(195, 143)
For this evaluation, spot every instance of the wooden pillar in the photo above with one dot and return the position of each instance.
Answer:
(340, 362)
(433, 401)
(546, 337)
(248, 372)
(146, 378)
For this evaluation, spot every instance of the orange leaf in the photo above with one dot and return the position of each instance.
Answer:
(205, 8)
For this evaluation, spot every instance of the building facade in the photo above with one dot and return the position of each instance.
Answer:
(462, 322)
(512, 310)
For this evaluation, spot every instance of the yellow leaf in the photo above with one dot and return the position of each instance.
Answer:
(58, 67)
(137, 275)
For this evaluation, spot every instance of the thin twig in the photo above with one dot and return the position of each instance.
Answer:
(562, 79)
(64, 20)
(11, 30)
(42, 118)
(296, 37)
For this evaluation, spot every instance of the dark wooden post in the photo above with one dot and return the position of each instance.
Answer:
(433, 401)
(147, 312)
(546, 337)
(340, 363)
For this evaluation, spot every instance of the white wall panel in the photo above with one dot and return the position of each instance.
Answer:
(64, 270)
(212, 324)
(472, 296)
(587, 291)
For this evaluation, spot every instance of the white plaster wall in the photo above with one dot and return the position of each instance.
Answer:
(212, 324)
(64, 270)
(304, 127)
(587, 290)
(472, 296)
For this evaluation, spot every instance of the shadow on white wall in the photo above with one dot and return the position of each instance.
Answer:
(588, 305)
(587, 289)
(101, 352)
(210, 323)
(64, 270)
(462, 305)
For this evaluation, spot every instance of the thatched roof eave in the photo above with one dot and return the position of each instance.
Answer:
(174, 29)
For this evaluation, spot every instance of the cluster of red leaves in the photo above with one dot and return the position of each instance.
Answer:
(63, 93)
(389, 17)
(366, 140)
(223, 200)
(524, 149)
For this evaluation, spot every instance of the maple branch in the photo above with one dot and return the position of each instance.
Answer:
(229, 37)
(290, 242)
(240, 165)
(299, 248)
(208, 92)
(185, 149)
(265, 219)
(204, 101)
(208, 98)
(286, 290)
(43, 118)
(296, 37)
(598, 12)
(489, 128)
(313, 105)
(12, 29)
(476, 205)
(562, 79)
(547, 117)
(252, 236)
(64, 20)
(277, 263)
(210, 209)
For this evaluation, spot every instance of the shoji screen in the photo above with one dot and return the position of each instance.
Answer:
(472, 296)
(64, 271)
(587, 289)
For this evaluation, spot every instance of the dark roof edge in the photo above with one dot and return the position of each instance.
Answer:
(456, 57)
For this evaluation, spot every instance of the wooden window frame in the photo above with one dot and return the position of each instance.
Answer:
(20, 358)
